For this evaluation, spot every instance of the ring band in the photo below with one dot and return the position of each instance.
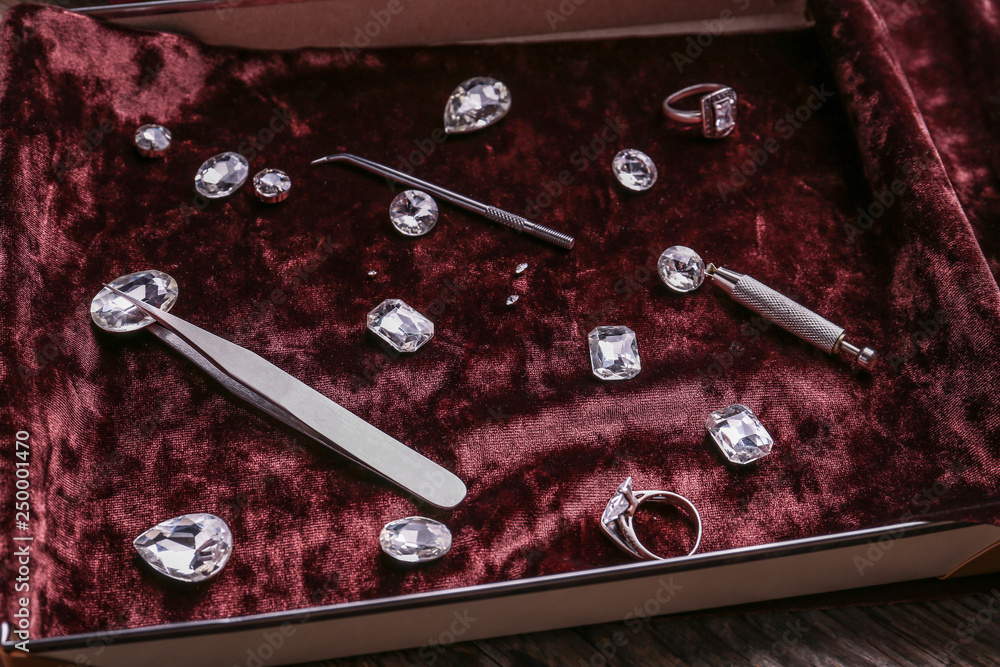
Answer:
(717, 113)
(620, 511)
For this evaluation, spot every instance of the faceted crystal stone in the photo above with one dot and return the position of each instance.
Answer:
(400, 326)
(681, 268)
(725, 116)
(152, 140)
(221, 175)
(512, 299)
(190, 548)
(475, 104)
(618, 503)
(634, 169)
(272, 185)
(413, 213)
(739, 434)
(719, 113)
(520, 268)
(614, 353)
(415, 539)
(114, 313)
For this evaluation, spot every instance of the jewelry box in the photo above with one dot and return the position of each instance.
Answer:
(844, 185)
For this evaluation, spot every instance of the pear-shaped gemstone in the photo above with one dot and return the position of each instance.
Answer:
(189, 548)
(476, 103)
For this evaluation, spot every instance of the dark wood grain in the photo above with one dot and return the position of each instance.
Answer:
(958, 631)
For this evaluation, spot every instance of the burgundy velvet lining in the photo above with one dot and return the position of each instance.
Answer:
(125, 433)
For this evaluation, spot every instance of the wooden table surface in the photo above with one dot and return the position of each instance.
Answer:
(958, 631)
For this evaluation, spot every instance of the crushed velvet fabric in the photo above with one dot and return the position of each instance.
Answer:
(125, 433)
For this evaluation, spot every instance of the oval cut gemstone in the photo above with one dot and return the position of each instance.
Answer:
(221, 175)
(114, 313)
(415, 539)
(634, 169)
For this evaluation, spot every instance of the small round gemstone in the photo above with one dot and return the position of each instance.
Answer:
(114, 313)
(520, 268)
(512, 299)
(152, 140)
(413, 213)
(681, 268)
(272, 186)
(415, 539)
(634, 169)
(221, 175)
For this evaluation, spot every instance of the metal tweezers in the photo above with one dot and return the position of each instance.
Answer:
(294, 403)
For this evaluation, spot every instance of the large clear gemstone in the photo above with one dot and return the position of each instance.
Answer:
(221, 175)
(190, 548)
(634, 169)
(413, 213)
(681, 268)
(618, 503)
(152, 140)
(614, 353)
(739, 434)
(415, 539)
(115, 313)
(400, 325)
(475, 104)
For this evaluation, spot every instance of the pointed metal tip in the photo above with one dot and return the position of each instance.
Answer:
(321, 160)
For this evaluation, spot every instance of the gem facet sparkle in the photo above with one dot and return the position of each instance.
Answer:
(719, 113)
(113, 313)
(221, 175)
(272, 186)
(400, 326)
(189, 548)
(512, 299)
(413, 213)
(618, 503)
(415, 539)
(614, 353)
(152, 140)
(634, 169)
(739, 434)
(681, 268)
(476, 103)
